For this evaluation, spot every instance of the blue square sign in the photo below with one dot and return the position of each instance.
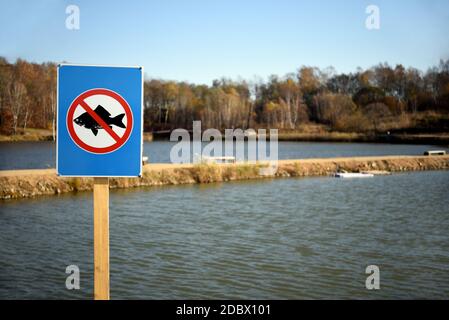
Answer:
(99, 121)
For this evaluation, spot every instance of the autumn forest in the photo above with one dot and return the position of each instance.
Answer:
(382, 98)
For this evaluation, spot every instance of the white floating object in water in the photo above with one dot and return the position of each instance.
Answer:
(208, 159)
(435, 153)
(353, 175)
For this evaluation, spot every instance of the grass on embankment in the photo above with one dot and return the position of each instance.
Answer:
(32, 134)
(28, 135)
(322, 133)
(17, 184)
(306, 132)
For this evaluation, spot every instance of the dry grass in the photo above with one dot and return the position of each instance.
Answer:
(16, 184)
(75, 183)
(206, 173)
(29, 135)
(324, 136)
(147, 136)
(241, 172)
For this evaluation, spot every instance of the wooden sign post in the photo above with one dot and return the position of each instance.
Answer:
(101, 238)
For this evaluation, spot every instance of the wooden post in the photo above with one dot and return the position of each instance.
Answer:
(101, 238)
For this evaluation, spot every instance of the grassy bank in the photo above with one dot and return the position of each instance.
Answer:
(28, 135)
(435, 139)
(309, 132)
(317, 132)
(336, 136)
(32, 134)
(30, 183)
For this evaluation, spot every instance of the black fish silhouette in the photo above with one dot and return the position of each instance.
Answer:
(86, 120)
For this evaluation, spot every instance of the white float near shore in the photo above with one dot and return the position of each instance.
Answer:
(435, 153)
(350, 175)
(228, 159)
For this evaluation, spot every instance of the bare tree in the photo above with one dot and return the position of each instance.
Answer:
(17, 99)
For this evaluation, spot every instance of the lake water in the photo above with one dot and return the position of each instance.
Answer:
(41, 155)
(281, 239)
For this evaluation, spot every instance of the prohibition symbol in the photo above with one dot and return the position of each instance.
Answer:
(99, 121)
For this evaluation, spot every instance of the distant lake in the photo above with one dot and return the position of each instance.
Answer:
(280, 239)
(40, 155)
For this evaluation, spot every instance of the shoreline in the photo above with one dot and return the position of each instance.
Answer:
(424, 139)
(419, 139)
(18, 184)
(36, 135)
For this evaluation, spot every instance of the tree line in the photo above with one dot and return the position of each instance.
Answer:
(380, 98)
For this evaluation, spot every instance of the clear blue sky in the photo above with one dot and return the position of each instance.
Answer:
(199, 40)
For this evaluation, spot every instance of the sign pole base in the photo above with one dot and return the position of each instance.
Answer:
(101, 238)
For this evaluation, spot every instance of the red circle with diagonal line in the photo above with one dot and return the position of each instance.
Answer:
(119, 140)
